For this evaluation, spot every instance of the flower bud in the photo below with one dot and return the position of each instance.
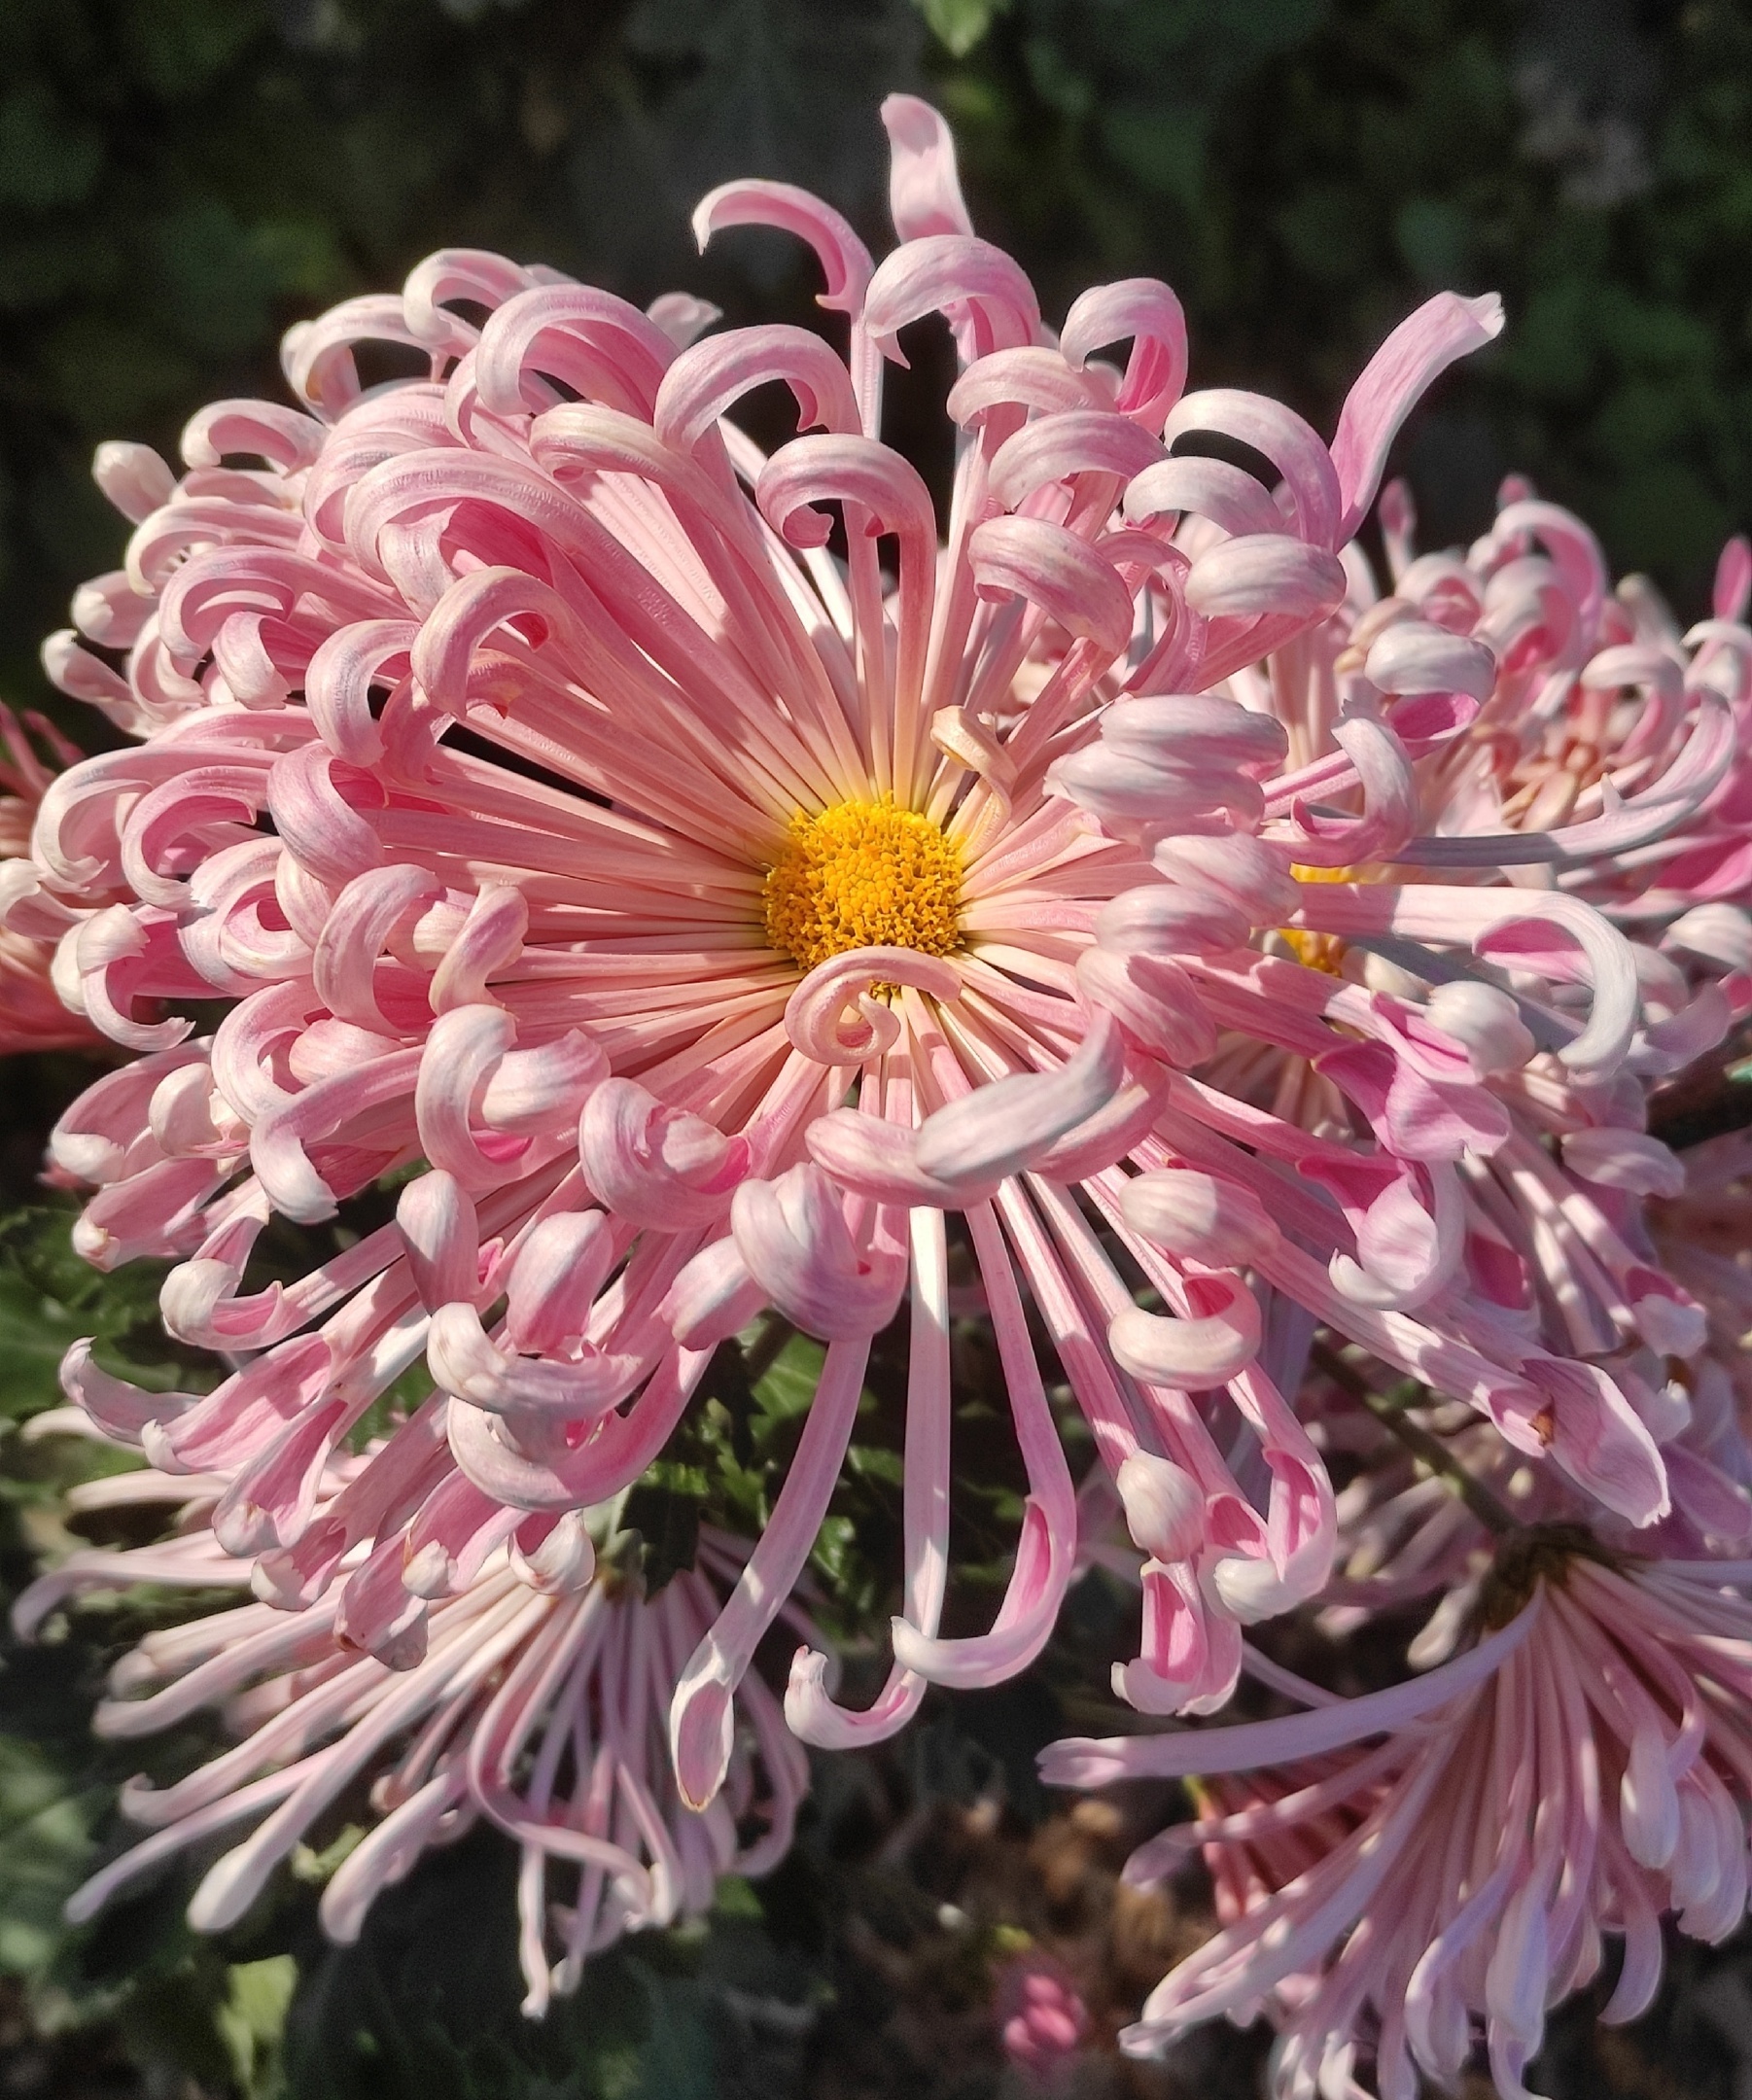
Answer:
(1165, 1509)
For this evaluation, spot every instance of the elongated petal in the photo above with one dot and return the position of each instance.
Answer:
(1417, 351)
(1247, 1745)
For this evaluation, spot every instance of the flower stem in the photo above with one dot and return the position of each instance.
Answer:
(760, 1355)
(1430, 1451)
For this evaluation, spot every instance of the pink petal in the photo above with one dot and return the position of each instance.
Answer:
(1420, 348)
(1148, 312)
(844, 259)
(1250, 1745)
(998, 1127)
(924, 190)
(1191, 1354)
(1595, 1436)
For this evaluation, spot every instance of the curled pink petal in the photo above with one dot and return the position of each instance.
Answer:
(655, 1164)
(1227, 494)
(1149, 313)
(924, 191)
(1220, 1338)
(818, 1014)
(1266, 573)
(1154, 1003)
(792, 1236)
(844, 259)
(1055, 448)
(1200, 1218)
(1165, 1511)
(706, 380)
(596, 343)
(1420, 349)
(943, 272)
(1287, 441)
(997, 1129)
(1054, 570)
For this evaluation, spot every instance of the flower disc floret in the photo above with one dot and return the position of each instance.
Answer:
(863, 875)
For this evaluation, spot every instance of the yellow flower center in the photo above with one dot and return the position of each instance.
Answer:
(863, 875)
(1318, 951)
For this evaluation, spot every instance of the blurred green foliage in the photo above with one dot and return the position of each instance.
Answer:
(181, 179)
(167, 1999)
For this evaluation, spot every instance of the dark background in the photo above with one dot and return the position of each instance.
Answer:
(180, 180)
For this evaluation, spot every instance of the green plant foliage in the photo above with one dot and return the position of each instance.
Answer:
(45, 1850)
(419, 2006)
(50, 1297)
(958, 24)
(177, 2002)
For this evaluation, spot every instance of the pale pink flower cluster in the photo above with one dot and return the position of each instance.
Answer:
(32, 1016)
(720, 892)
(1580, 1773)
(537, 1698)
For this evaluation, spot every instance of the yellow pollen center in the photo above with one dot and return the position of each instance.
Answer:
(1318, 951)
(863, 875)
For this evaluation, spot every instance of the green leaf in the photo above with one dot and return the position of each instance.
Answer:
(668, 1524)
(46, 1848)
(178, 47)
(676, 2061)
(835, 1543)
(47, 157)
(252, 2022)
(35, 1333)
(960, 24)
(1435, 238)
(737, 1898)
(875, 1462)
(784, 1392)
(1163, 149)
(1325, 228)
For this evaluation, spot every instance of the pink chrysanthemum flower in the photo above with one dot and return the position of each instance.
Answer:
(1618, 748)
(535, 1696)
(1596, 752)
(1615, 743)
(729, 922)
(1401, 1871)
(33, 1015)
(1536, 1225)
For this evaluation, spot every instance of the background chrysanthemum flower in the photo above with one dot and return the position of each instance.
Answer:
(1578, 1773)
(33, 1015)
(538, 1698)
